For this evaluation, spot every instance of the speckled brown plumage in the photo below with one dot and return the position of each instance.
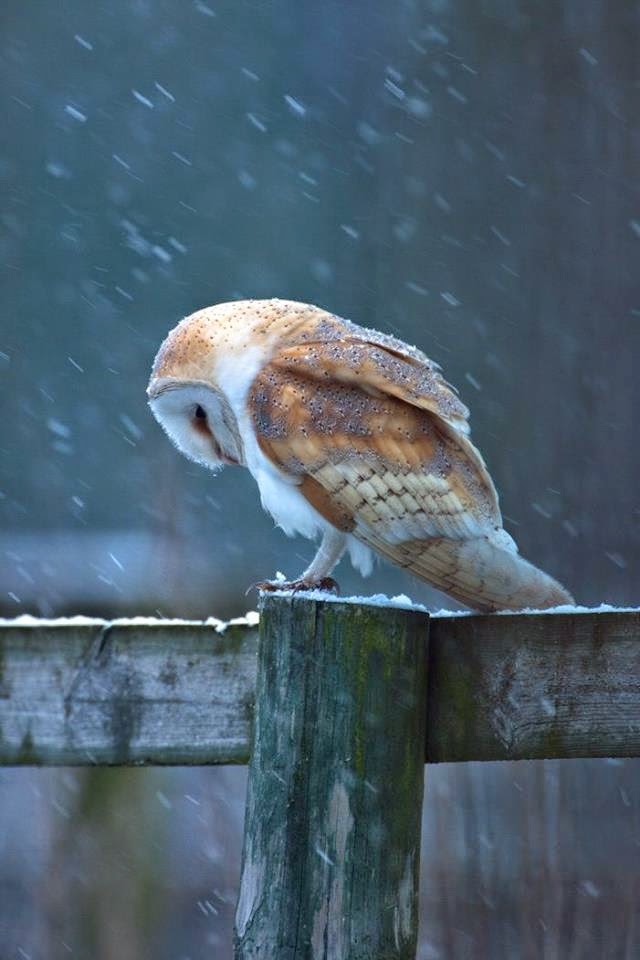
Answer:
(368, 432)
(392, 472)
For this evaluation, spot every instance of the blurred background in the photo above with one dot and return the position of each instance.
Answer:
(461, 174)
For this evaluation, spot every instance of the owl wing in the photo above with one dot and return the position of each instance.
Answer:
(376, 445)
(379, 365)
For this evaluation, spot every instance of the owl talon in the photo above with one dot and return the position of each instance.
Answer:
(327, 584)
(265, 586)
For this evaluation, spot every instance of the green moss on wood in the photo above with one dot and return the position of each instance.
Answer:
(552, 742)
(456, 688)
(27, 753)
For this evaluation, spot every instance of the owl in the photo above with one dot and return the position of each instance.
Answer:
(353, 437)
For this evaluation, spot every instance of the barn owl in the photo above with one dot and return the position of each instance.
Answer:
(353, 437)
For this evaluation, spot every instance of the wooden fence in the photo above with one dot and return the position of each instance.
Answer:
(343, 703)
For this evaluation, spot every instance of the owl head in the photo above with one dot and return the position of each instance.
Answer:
(185, 397)
(204, 368)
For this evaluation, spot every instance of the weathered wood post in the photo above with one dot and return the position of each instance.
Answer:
(332, 830)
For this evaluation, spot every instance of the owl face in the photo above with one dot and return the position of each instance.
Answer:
(197, 419)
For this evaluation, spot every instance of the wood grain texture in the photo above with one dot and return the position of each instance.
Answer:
(533, 686)
(501, 688)
(332, 824)
(126, 694)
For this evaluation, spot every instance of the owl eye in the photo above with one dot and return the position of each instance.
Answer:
(200, 421)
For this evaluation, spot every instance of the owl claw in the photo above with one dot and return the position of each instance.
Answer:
(327, 584)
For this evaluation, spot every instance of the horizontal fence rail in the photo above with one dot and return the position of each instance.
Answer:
(500, 687)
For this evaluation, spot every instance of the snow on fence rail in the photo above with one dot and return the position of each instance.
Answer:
(343, 702)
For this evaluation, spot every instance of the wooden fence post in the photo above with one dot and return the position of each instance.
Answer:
(332, 831)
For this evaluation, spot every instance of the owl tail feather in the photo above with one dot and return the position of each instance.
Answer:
(506, 580)
(484, 573)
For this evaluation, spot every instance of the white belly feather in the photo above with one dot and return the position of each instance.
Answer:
(279, 493)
